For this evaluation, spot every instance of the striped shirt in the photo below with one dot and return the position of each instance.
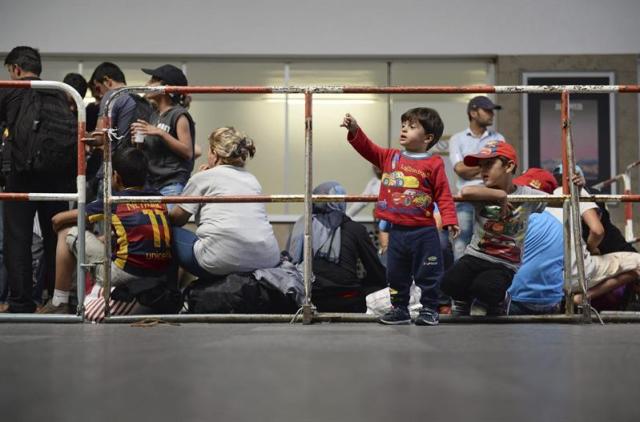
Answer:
(141, 234)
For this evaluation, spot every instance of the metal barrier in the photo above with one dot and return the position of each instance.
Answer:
(625, 177)
(80, 197)
(570, 196)
(570, 192)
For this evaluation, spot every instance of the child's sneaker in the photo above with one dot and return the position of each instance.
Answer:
(396, 316)
(460, 308)
(427, 317)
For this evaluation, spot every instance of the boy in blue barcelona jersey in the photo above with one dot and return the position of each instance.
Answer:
(141, 248)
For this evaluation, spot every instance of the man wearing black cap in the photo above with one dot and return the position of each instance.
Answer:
(470, 141)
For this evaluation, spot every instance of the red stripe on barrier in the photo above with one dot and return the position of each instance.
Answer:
(15, 84)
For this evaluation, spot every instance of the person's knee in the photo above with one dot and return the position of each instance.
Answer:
(69, 236)
(451, 286)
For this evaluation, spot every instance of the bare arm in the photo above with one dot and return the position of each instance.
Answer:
(466, 172)
(181, 146)
(483, 193)
(64, 219)
(596, 231)
(178, 216)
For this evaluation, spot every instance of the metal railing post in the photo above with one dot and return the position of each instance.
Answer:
(575, 217)
(80, 196)
(307, 308)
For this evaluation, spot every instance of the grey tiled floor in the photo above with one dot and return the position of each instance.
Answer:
(325, 372)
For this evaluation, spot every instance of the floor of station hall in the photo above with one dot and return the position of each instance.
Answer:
(322, 372)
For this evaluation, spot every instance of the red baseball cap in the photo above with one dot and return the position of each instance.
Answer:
(538, 179)
(490, 150)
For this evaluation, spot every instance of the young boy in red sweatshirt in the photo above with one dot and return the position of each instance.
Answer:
(412, 181)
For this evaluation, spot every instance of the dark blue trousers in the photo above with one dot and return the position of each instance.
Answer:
(414, 254)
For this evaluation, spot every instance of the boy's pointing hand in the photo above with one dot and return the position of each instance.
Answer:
(350, 123)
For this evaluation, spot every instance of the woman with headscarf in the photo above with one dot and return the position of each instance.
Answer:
(340, 246)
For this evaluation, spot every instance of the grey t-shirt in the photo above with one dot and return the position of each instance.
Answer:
(232, 237)
(502, 240)
(123, 113)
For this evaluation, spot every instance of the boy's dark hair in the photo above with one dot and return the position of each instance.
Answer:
(428, 118)
(77, 82)
(27, 58)
(131, 165)
(108, 70)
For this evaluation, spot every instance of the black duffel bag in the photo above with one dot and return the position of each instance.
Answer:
(237, 294)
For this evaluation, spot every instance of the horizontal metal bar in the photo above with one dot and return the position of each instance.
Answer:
(37, 318)
(613, 317)
(469, 89)
(608, 182)
(202, 318)
(218, 89)
(555, 199)
(292, 198)
(240, 199)
(8, 196)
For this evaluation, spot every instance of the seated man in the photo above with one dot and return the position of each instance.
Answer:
(141, 254)
(613, 240)
(340, 247)
(537, 287)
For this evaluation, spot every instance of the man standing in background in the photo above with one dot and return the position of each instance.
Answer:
(480, 111)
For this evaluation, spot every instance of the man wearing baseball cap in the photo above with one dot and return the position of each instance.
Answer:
(480, 111)
(484, 273)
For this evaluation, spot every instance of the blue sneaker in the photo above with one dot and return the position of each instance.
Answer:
(396, 316)
(427, 316)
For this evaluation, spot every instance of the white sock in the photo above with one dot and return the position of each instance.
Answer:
(59, 297)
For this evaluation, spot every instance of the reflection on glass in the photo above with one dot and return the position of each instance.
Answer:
(584, 123)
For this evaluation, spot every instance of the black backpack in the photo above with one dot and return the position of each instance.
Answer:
(45, 135)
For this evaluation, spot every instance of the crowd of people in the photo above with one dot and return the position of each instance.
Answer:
(483, 255)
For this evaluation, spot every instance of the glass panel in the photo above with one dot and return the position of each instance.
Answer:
(56, 69)
(451, 107)
(584, 125)
(261, 117)
(334, 159)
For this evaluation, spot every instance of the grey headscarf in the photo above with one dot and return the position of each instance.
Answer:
(327, 218)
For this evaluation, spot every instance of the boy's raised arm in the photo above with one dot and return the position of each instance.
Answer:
(360, 142)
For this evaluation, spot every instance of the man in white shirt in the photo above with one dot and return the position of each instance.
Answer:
(480, 111)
